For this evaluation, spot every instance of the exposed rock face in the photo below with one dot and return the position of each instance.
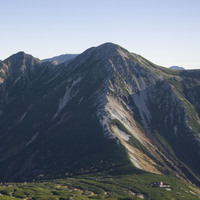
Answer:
(104, 109)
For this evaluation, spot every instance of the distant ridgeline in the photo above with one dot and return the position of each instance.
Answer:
(60, 59)
(177, 68)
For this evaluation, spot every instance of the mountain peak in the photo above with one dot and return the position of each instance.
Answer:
(19, 55)
(106, 50)
(108, 47)
(18, 63)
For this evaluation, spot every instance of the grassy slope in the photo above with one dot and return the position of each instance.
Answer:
(99, 186)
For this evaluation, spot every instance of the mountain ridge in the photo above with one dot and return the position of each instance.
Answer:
(105, 108)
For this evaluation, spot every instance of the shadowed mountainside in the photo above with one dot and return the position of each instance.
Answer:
(104, 109)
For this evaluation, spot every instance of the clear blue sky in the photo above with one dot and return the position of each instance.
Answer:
(167, 32)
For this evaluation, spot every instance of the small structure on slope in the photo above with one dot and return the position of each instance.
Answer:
(161, 185)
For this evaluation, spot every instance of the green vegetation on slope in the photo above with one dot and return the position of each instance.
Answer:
(100, 186)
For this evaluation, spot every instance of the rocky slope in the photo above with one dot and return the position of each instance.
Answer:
(104, 109)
